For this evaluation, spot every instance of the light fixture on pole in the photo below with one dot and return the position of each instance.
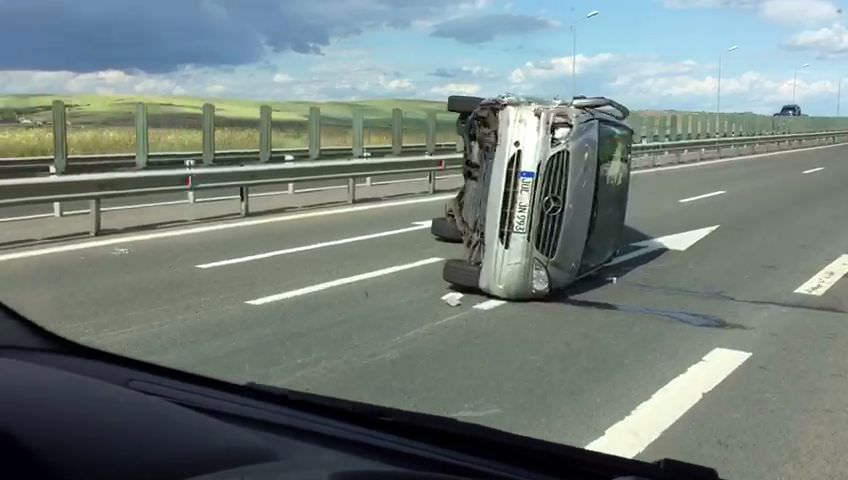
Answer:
(795, 80)
(718, 87)
(573, 28)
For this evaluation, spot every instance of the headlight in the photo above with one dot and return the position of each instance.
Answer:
(541, 282)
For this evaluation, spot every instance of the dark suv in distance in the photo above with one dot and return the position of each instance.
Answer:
(789, 111)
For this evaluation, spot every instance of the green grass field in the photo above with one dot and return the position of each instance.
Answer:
(104, 124)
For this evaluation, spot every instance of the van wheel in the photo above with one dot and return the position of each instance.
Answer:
(445, 230)
(461, 274)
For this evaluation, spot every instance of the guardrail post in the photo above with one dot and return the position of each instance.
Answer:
(651, 129)
(431, 133)
(358, 132)
(94, 215)
(662, 128)
(60, 137)
(244, 200)
(673, 128)
(142, 140)
(397, 131)
(208, 134)
(351, 190)
(264, 133)
(635, 122)
(314, 133)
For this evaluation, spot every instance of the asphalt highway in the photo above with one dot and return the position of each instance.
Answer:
(722, 343)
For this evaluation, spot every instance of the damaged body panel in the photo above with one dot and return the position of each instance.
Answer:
(545, 193)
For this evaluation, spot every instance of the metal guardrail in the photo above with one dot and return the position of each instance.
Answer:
(224, 157)
(95, 186)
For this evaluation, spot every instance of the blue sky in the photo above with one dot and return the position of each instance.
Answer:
(648, 54)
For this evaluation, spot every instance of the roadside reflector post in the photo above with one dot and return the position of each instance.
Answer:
(57, 206)
(142, 140)
(351, 190)
(244, 200)
(397, 131)
(208, 134)
(431, 182)
(264, 133)
(189, 181)
(314, 133)
(430, 138)
(94, 215)
(358, 124)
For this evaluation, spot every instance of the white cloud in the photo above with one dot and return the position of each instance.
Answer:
(558, 67)
(827, 41)
(282, 78)
(456, 89)
(792, 12)
(754, 87)
(394, 85)
(216, 88)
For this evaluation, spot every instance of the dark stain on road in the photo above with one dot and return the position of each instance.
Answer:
(690, 318)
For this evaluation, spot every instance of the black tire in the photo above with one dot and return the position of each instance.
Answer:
(463, 104)
(445, 230)
(462, 274)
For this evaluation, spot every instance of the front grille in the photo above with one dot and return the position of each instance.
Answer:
(509, 196)
(551, 193)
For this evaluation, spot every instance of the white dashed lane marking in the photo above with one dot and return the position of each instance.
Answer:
(649, 420)
(341, 281)
(826, 278)
(699, 197)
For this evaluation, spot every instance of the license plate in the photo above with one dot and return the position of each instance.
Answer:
(521, 218)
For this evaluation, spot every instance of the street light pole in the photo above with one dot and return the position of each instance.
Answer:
(573, 28)
(718, 88)
(795, 80)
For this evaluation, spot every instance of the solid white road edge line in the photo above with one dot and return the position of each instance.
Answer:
(813, 170)
(731, 159)
(649, 420)
(303, 248)
(341, 281)
(826, 278)
(489, 304)
(216, 227)
(698, 197)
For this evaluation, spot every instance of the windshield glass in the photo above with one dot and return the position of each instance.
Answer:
(318, 196)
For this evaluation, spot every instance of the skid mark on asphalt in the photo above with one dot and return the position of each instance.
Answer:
(649, 420)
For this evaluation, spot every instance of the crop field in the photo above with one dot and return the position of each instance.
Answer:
(104, 124)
